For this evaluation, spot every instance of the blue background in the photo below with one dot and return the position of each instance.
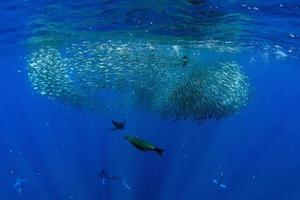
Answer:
(60, 149)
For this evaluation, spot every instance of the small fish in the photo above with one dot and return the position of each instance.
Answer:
(18, 186)
(185, 61)
(195, 2)
(220, 181)
(143, 145)
(105, 176)
(117, 125)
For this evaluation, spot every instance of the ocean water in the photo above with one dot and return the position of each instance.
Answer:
(216, 84)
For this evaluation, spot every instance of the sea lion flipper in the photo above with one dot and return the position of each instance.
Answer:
(118, 125)
(159, 151)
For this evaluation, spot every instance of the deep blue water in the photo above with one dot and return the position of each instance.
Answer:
(60, 149)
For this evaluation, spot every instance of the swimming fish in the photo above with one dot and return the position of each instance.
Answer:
(185, 61)
(195, 2)
(105, 176)
(117, 125)
(18, 186)
(220, 181)
(143, 145)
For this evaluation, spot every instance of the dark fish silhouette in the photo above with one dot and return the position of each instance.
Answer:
(185, 61)
(143, 145)
(195, 2)
(117, 125)
(105, 176)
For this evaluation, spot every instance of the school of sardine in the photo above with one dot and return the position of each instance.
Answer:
(143, 74)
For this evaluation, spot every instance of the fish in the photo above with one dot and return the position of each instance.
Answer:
(143, 145)
(195, 2)
(18, 186)
(185, 61)
(171, 84)
(220, 180)
(105, 176)
(117, 125)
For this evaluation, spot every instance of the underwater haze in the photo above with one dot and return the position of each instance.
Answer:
(150, 100)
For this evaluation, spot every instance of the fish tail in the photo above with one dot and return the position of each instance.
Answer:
(159, 151)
